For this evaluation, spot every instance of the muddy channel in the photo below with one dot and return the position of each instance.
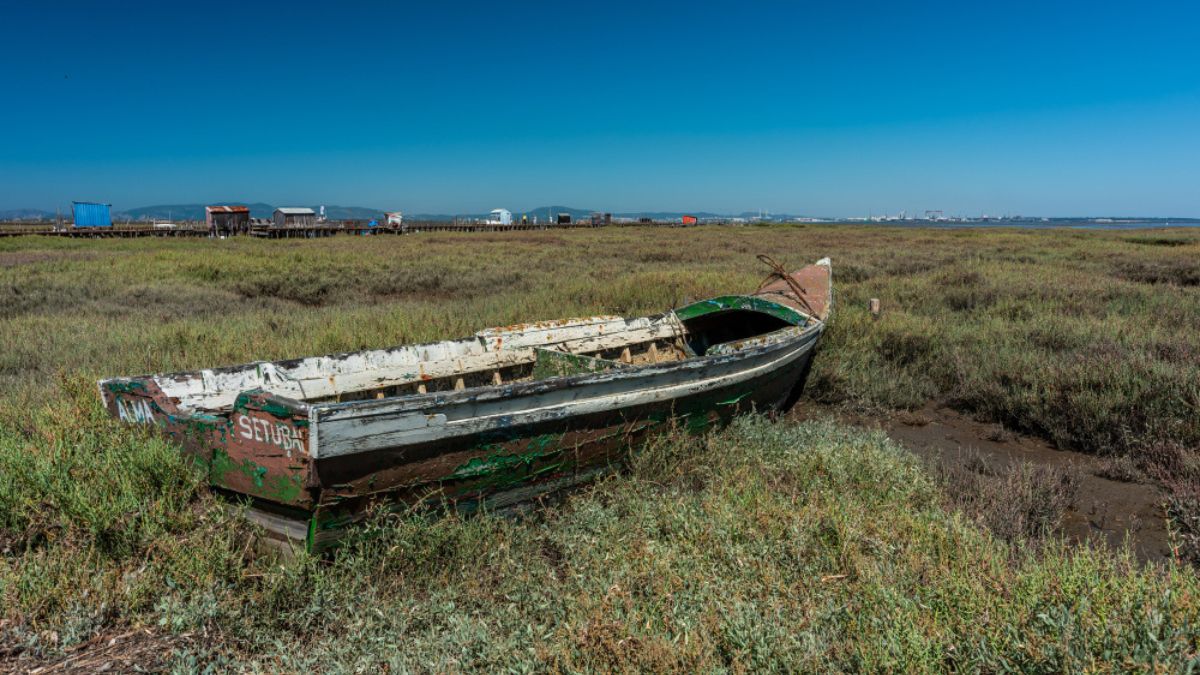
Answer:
(1103, 510)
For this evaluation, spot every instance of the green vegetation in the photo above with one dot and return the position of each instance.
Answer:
(807, 545)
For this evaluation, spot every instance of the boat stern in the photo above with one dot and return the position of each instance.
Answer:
(264, 451)
(259, 448)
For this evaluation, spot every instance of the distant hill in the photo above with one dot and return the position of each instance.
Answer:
(542, 211)
(26, 214)
(670, 215)
(350, 212)
(186, 211)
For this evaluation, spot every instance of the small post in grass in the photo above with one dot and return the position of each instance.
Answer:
(873, 305)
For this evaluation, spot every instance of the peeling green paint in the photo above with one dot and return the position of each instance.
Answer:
(501, 469)
(735, 400)
(126, 386)
(325, 521)
(747, 302)
(285, 489)
(697, 423)
(477, 467)
(264, 401)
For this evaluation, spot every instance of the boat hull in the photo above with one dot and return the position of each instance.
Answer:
(317, 443)
(520, 455)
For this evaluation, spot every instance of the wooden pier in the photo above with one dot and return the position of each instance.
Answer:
(318, 231)
(465, 226)
(198, 230)
(115, 231)
(315, 231)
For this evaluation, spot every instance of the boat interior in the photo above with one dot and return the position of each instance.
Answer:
(491, 357)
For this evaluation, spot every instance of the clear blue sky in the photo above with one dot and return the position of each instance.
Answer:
(824, 108)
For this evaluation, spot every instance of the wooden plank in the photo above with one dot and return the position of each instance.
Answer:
(552, 363)
(327, 376)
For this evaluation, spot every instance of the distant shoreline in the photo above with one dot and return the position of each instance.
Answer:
(1031, 225)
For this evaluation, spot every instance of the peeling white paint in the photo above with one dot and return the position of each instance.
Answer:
(135, 411)
(328, 376)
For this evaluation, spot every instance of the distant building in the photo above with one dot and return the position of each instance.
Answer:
(92, 214)
(500, 217)
(226, 220)
(689, 220)
(563, 219)
(295, 216)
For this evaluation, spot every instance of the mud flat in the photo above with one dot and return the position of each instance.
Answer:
(1101, 509)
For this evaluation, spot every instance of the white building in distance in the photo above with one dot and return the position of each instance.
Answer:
(500, 217)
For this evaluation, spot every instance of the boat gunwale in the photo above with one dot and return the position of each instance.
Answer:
(363, 411)
(801, 322)
(301, 404)
(513, 389)
(336, 356)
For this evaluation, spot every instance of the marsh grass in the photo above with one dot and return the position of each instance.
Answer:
(774, 546)
(1087, 339)
(1021, 504)
(766, 546)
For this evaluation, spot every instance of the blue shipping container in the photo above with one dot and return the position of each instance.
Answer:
(89, 214)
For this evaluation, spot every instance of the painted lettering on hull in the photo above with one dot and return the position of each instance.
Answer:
(136, 411)
(278, 434)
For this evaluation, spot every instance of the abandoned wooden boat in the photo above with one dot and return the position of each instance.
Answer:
(493, 418)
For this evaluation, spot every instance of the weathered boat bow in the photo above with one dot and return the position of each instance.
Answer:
(499, 416)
